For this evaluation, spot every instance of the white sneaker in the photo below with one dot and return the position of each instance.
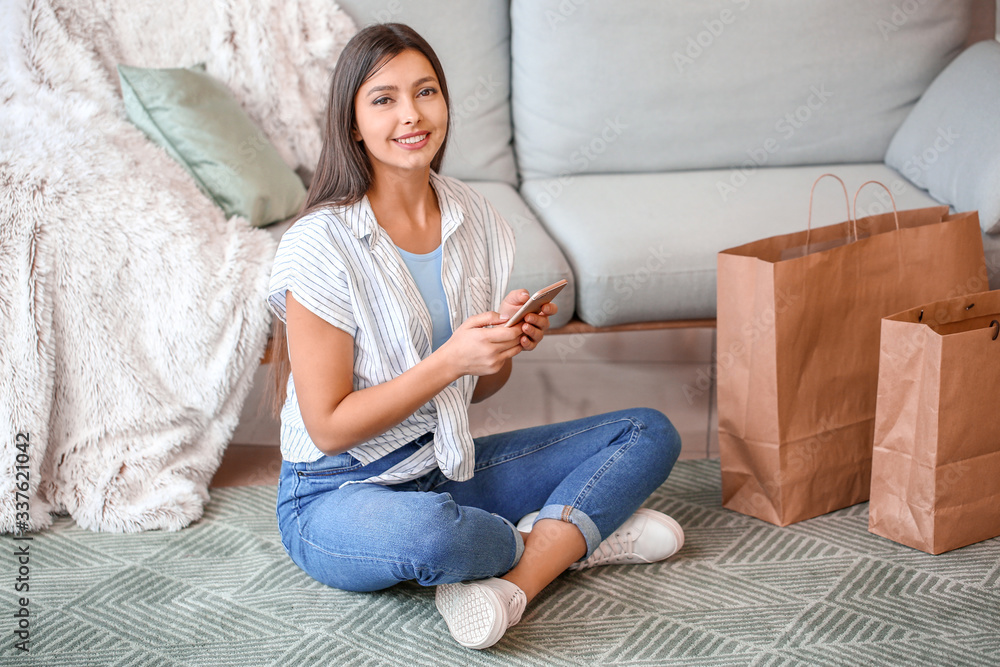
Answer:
(478, 613)
(646, 537)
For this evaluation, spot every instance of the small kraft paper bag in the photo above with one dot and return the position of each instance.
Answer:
(798, 344)
(936, 461)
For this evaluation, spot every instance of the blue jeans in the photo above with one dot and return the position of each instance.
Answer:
(593, 472)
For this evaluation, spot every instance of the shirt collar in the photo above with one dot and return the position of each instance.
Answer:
(362, 221)
(452, 211)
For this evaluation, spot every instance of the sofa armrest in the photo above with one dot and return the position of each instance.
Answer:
(949, 145)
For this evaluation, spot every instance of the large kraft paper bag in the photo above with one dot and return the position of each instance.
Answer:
(936, 461)
(798, 347)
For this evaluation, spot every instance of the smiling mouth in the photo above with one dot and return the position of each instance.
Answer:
(413, 140)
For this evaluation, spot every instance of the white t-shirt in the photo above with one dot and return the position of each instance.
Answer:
(344, 268)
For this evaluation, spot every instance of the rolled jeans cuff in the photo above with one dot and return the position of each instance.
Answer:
(574, 516)
(518, 542)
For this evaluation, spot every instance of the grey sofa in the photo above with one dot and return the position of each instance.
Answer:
(629, 142)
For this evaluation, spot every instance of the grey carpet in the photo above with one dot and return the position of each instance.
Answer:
(741, 592)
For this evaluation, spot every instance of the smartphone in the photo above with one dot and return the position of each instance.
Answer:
(536, 301)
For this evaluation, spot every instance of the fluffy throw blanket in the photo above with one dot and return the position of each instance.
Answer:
(132, 311)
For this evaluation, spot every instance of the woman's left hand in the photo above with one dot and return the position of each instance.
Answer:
(534, 325)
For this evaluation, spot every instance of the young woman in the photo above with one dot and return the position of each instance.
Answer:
(390, 289)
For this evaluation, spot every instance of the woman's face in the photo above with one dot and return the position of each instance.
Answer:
(401, 114)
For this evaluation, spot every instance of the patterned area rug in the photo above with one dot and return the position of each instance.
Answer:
(741, 592)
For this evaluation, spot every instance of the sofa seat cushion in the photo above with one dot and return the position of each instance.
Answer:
(643, 246)
(538, 262)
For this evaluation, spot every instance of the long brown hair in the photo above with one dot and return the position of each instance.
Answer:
(344, 173)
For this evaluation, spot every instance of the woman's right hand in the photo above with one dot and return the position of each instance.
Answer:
(481, 345)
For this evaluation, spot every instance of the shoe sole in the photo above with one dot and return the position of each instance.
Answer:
(470, 612)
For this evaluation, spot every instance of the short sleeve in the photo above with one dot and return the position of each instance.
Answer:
(310, 264)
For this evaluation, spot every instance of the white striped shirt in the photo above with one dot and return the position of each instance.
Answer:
(343, 267)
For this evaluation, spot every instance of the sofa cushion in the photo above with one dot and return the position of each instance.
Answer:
(196, 119)
(643, 246)
(950, 143)
(538, 261)
(639, 86)
(472, 40)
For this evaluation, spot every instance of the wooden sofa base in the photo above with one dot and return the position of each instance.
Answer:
(575, 326)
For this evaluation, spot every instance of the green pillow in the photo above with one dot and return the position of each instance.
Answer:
(199, 122)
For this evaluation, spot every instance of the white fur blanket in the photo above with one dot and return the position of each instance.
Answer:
(132, 312)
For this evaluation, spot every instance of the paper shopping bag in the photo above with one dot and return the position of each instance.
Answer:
(798, 346)
(936, 458)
